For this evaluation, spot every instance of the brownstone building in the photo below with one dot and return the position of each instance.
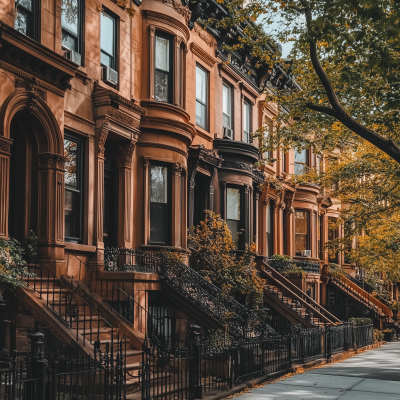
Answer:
(121, 122)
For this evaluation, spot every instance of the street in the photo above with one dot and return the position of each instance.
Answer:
(372, 375)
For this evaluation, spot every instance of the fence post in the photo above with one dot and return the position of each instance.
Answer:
(328, 342)
(234, 354)
(195, 388)
(289, 349)
(41, 375)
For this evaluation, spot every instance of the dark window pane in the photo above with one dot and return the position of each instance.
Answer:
(233, 226)
(161, 89)
(72, 214)
(159, 223)
(27, 4)
(70, 15)
(69, 41)
(201, 85)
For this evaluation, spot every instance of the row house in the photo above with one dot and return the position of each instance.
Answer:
(120, 123)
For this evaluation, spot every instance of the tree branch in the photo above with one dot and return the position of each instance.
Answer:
(337, 111)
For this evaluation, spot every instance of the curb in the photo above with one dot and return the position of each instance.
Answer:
(219, 395)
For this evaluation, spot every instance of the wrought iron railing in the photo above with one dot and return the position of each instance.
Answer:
(73, 310)
(72, 375)
(194, 286)
(307, 266)
(200, 366)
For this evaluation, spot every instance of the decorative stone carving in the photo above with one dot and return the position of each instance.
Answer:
(103, 137)
(237, 165)
(146, 161)
(129, 153)
(206, 37)
(113, 112)
(302, 196)
(179, 8)
(5, 145)
(32, 85)
(48, 160)
(178, 169)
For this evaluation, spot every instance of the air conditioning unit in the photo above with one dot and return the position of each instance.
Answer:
(110, 76)
(306, 253)
(73, 56)
(228, 133)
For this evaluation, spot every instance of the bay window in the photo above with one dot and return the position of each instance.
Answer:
(233, 200)
(71, 24)
(163, 68)
(246, 121)
(160, 204)
(73, 152)
(302, 237)
(201, 97)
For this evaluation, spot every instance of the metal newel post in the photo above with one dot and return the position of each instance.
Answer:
(289, 349)
(194, 337)
(328, 342)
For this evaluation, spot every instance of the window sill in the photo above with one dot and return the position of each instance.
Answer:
(80, 247)
(204, 134)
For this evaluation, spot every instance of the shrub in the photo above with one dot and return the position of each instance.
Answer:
(336, 270)
(378, 336)
(361, 321)
(212, 254)
(286, 265)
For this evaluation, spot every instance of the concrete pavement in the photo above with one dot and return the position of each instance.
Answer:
(372, 375)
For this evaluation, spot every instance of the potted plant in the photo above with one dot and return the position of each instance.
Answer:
(387, 335)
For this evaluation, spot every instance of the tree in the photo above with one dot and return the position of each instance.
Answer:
(346, 65)
(212, 254)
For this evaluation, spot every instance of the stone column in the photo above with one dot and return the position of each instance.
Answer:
(177, 206)
(51, 205)
(211, 191)
(146, 216)
(192, 184)
(5, 145)
(99, 200)
(247, 212)
(257, 193)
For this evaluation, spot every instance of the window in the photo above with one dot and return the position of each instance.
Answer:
(163, 71)
(159, 204)
(246, 121)
(301, 231)
(284, 161)
(108, 30)
(268, 229)
(300, 161)
(201, 97)
(26, 20)
(73, 152)
(71, 20)
(318, 164)
(268, 131)
(332, 235)
(233, 210)
(227, 106)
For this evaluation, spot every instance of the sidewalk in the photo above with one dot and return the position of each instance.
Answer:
(372, 375)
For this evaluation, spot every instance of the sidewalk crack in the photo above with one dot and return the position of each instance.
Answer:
(349, 389)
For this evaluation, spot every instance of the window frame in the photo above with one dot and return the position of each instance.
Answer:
(35, 19)
(306, 163)
(230, 88)
(240, 244)
(206, 105)
(79, 37)
(308, 242)
(115, 57)
(169, 202)
(170, 39)
(81, 178)
(249, 104)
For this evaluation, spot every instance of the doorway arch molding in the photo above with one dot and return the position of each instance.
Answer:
(50, 139)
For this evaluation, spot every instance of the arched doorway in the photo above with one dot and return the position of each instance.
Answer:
(23, 189)
(110, 216)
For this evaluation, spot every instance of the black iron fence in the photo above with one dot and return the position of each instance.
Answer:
(100, 376)
(197, 367)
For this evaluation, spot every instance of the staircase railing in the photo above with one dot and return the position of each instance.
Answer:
(353, 289)
(125, 305)
(308, 302)
(194, 286)
(64, 304)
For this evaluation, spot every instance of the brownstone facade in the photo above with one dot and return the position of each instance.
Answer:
(89, 161)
